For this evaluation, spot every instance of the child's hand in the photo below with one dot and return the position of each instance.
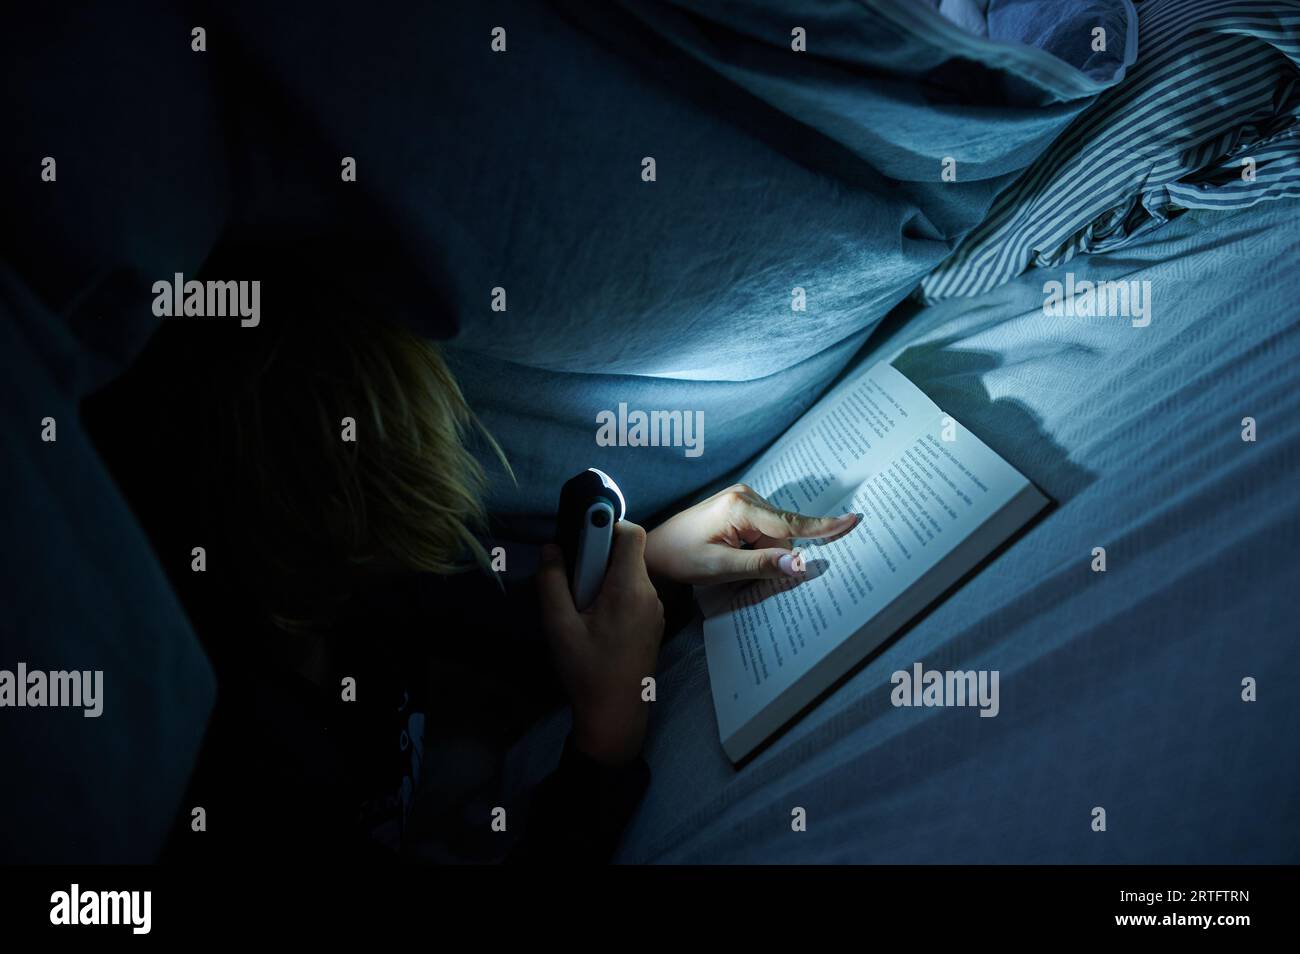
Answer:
(604, 653)
(702, 544)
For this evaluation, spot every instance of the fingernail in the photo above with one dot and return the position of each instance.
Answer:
(792, 564)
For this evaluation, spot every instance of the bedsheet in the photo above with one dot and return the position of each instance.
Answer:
(1120, 689)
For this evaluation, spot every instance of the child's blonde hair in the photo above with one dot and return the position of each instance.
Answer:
(306, 511)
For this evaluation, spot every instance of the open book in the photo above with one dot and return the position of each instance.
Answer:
(934, 502)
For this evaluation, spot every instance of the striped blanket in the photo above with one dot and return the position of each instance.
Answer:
(1206, 119)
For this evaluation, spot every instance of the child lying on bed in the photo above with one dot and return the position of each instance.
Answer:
(333, 572)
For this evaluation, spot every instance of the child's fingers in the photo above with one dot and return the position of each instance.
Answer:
(731, 565)
(756, 513)
(553, 587)
(627, 559)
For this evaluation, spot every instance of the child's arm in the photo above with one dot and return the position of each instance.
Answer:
(602, 654)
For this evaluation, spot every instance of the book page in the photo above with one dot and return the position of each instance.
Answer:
(919, 503)
(841, 441)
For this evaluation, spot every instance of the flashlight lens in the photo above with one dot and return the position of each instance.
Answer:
(608, 481)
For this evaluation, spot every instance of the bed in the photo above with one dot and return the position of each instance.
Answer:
(1125, 689)
(1120, 689)
(825, 170)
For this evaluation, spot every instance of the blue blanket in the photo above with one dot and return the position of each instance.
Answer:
(797, 197)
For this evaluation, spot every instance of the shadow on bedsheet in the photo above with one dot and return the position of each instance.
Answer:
(952, 378)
